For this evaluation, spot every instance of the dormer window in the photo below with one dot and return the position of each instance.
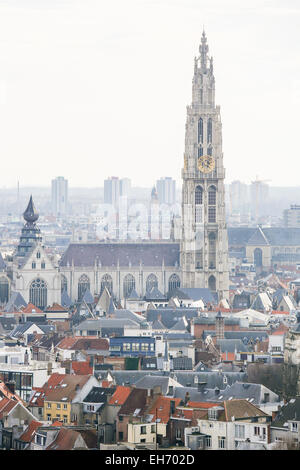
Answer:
(212, 413)
(38, 255)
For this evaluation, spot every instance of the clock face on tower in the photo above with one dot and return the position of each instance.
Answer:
(206, 163)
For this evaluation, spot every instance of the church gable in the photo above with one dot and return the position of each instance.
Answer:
(38, 260)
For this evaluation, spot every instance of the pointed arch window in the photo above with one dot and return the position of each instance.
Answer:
(4, 290)
(151, 282)
(209, 150)
(128, 285)
(212, 284)
(198, 204)
(38, 293)
(200, 131)
(107, 282)
(209, 131)
(174, 282)
(212, 251)
(83, 286)
(212, 201)
(200, 151)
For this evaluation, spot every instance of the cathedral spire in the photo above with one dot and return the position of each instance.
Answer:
(31, 215)
(203, 49)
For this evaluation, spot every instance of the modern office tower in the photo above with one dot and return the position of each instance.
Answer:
(204, 246)
(125, 187)
(112, 190)
(166, 190)
(259, 197)
(59, 196)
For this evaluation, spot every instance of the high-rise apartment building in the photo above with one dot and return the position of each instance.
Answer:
(166, 190)
(59, 196)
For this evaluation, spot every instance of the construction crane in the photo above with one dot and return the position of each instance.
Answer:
(257, 182)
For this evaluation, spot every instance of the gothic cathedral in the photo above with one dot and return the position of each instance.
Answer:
(204, 245)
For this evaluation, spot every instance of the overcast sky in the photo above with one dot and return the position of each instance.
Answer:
(92, 88)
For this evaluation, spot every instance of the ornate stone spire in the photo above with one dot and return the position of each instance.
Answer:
(203, 49)
(31, 215)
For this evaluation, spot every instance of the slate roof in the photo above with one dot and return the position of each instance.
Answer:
(288, 412)
(150, 381)
(194, 293)
(106, 323)
(211, 378)
(155, 294)
(239, 235)
(65, 299)
(276, 236)
(21, 328)
(99, 395)
(182, 363)
(87, 297)
(250, 391)
(110, 254)
(230, 345)
(258, 238)
(170, 316)
(15, 302)
(128, 315)
(7, 323)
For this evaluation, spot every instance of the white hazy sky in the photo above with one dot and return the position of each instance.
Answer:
(92, 88)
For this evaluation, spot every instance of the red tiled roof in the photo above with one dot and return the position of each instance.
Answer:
(29, 432)
(57, 423)
(67, 388)
(67, 343)
(56, 308)
(82, 368)
(32, 309)
(200, 404)
(41, 393)
(276, 312)
(84, 342)
(161, 408)
(120, 396)
(228, 356)
(64, 440)
(6, 393)
(6, 405)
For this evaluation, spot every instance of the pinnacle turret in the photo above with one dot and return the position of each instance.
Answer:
(203, 49)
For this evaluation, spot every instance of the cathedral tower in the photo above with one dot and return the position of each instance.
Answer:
(204, 245)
